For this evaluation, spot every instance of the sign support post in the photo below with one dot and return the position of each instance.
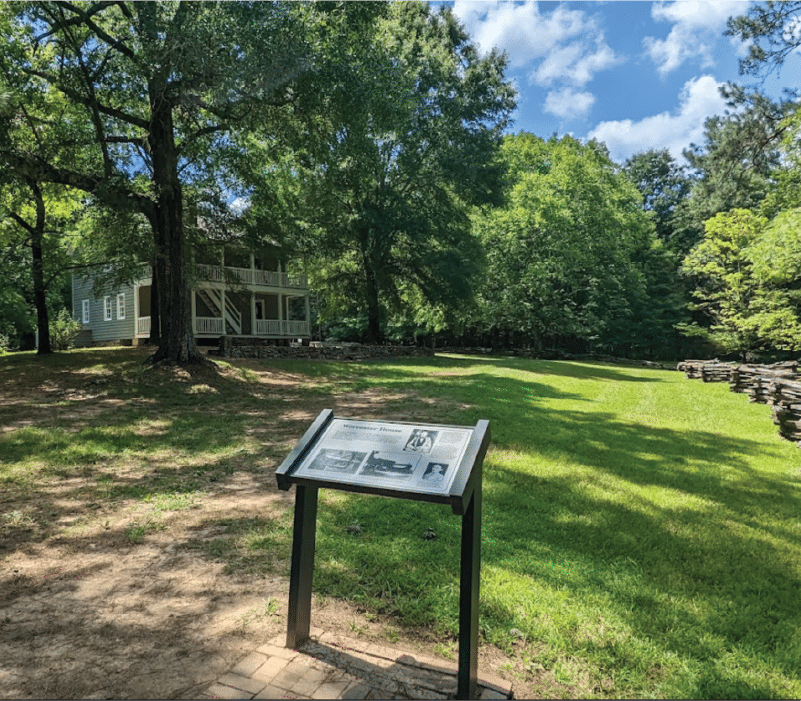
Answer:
(302, 569)
(468, 597)
(435, 463)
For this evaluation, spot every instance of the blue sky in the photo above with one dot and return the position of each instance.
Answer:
(635, 75)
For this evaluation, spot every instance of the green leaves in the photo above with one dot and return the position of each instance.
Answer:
(561, 254)
(403, 141)
(747, 272)
(772, 30)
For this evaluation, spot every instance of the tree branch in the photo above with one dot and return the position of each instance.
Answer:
(86, 18)
(201, 132)
(77, 97)
(40, 171)
(21, 222)
(62, 24)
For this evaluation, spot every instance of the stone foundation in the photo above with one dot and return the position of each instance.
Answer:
(243, 347)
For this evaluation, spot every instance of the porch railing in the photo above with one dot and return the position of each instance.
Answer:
(214, 326)
(276, 327)
(249, 276)
(209, 324)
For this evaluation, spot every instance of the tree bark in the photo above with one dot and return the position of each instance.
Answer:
(154, 339)
(374, 334)
(177, 343)
(37, 270)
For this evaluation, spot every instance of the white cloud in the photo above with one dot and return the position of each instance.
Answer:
(238, 205)
(696, 28)
(573, 64)
(700, 98)
(568, 102)
(562, 49)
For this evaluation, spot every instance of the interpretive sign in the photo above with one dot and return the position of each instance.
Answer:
(425, 462)
(404, 457)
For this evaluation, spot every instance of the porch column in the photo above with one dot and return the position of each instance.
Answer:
(252, 306)
(280, 311)
(222, 291)
(308, 313)
(136, 314)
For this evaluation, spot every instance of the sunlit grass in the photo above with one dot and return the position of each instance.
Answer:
(641, 532)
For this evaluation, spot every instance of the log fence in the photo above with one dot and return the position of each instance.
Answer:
(777, 384)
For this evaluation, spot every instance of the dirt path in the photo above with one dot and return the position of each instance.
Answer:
(87, 613)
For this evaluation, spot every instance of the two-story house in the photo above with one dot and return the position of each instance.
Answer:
(234, 292)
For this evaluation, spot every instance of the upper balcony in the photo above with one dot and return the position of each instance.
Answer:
(249, 277)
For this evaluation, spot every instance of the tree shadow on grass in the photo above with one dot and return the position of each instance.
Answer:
(672, 534)
(723, 567)
(564, 368)
(419, 368)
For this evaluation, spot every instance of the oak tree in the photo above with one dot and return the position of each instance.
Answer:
(402, 141)
(159, 84)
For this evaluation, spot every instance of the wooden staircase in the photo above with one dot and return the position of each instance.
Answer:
(232, 316)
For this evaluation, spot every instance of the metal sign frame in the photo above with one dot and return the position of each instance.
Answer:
(463, 494)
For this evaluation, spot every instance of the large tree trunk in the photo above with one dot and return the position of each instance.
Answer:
(373, 306)
(155, 317)
(176, 341)
(37, 270)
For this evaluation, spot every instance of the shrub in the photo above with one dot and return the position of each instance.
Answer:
(5, 344)
(63, 330)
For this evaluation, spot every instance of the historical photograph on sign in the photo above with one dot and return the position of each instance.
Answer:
(435, 473)
(387, 456)
(339, 461)
(396, 466)
(421, 441)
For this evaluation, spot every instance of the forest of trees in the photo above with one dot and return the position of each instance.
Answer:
(372, 141)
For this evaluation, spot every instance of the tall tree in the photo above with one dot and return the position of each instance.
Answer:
(413, 121)
(775, 258)
(565, 253)
(725, 288)
(160, 84)
(36, 124)
(664, 184)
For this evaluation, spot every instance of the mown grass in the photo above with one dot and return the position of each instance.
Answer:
(641, 532)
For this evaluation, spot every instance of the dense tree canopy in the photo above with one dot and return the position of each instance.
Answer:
(383, 182)
(152, 86)
(664, 185)
(564, 255)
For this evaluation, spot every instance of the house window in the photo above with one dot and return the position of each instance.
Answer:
(121, 305)
(107, 308)
(85, 311)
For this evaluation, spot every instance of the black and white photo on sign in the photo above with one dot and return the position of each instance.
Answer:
(342, 461)
(435, 472)
(421, 440)
(389, 465)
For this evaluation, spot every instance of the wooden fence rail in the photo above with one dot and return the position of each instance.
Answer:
(775, 384)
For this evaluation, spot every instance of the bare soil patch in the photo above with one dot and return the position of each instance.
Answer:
(104, 594)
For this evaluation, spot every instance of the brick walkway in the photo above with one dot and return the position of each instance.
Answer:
(333, 667)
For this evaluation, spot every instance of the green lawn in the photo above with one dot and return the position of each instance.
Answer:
(641, 531)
